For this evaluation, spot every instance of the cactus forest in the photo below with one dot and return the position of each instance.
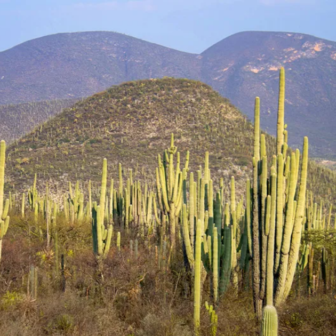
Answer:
(178, 251)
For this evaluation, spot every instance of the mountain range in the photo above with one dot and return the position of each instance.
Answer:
(239, 67)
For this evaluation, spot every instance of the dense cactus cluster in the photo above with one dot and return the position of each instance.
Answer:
(263, 241)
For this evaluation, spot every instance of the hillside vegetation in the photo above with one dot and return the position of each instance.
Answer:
(131, 123)
(19, 119)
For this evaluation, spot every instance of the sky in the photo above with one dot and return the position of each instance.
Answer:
(186, 25)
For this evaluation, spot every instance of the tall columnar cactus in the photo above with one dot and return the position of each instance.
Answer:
(255, 212)
(32, 283)
(100, 235)
(4, 218)
(197, 278)
(278, 213)
(33, 195)
(169, 185)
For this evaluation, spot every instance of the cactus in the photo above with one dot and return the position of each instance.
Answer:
(213, 318)
(118, 241)
(325, 268)
(4, 218)
(100, 235)
(197, 278)
(269, 324)
(169, 185)
(23, 205)
(32, 283)
(279, 199)
(281, 112)
(136, 248)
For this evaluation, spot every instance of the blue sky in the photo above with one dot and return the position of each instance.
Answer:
(186, 25)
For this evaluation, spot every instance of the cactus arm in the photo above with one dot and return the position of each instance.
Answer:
(227, 253)
(5, 210)
(271, 238)
(279, 215)
(263, 185)
(108, 240)
(287, 235)
(248, 216)
(186, 239)
(197, 279)
(158, 188)
(191, 209)
(256, 152)
(215, 264)
(296, 236)
(281, 112)
(164, 188)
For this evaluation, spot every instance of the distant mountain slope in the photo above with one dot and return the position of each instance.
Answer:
(246, 65)
(80, 64)
(20, 119)
(239, 67)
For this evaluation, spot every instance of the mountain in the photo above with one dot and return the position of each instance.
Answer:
(239, 67)
(79, 64)
(132, 124)
(246, 65)
(20, 119)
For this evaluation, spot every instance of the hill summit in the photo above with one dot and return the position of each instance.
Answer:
(132, 123)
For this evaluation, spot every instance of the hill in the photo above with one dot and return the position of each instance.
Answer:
(132, 123)
(246, 65)
(20, 119)
(239, 67)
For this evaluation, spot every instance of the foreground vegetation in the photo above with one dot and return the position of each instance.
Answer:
(183, 242)
(139, 297)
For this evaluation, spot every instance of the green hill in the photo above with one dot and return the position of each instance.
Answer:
(132, 123)
(20, 119)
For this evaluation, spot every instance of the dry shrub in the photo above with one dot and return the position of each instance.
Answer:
(129, 295)
(315, 316)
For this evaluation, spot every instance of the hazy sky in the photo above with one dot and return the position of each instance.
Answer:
(186, 25)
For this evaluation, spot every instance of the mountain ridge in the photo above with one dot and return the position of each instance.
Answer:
(239, 67)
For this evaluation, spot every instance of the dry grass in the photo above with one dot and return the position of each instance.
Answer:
(132, 297)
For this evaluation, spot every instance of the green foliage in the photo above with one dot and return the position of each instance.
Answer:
(11, 299)
(63, 322)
